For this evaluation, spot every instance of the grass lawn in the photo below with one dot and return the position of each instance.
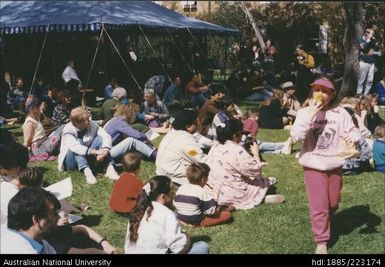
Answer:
(358, 226)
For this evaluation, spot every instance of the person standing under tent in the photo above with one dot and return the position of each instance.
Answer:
(70, 73)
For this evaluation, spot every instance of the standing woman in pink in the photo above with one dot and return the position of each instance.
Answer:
(324, 129)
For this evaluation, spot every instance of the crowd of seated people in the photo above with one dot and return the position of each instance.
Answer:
(210, 151)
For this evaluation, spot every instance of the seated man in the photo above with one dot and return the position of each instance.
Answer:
(84, 142)
(31, 213)
(174, 96)
(195, 91)
(210, 107)
(290, 101)
(17, 96)
(155, 109)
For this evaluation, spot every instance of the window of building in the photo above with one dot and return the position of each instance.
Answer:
(189, 6)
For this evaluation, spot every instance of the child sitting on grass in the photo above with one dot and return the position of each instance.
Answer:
(379, 148)
(194, 204)
(128, 186)
(250, 123)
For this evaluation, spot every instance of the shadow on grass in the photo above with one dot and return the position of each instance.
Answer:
(348, 220)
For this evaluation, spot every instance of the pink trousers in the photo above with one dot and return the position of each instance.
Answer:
(323, 191)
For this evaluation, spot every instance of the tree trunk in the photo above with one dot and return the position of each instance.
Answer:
(258, 34)
(354, 13)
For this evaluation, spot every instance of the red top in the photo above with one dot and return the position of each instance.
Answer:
(251, 126)
(125, 193)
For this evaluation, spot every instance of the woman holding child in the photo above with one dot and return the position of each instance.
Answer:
(236, 177)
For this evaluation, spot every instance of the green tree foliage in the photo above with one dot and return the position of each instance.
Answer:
(288, 23)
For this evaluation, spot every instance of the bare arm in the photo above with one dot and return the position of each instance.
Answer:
(28, 133)
(107, 247)
(187, 247)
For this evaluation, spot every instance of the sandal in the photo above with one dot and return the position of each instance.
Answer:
(84, 207)
(272, 180)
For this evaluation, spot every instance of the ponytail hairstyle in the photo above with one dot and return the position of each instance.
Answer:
(30, 176)
(156, 186)
(226, 130)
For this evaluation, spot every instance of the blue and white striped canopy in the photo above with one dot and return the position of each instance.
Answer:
(66, 16)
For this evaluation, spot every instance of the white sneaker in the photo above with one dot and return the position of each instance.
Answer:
(90, 178)
(287, 147)
(111, 173)
(321, 249)
(274, 199)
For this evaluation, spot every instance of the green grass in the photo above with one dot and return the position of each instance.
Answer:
(358, 227)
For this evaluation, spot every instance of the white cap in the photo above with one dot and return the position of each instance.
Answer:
(287, 85)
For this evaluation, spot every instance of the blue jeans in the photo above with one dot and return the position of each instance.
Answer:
(269, 147)
(198, 100)
(18, 100)
(73, 160)
(365, 79)
(130, 144)
(261, 94)
(199, 247)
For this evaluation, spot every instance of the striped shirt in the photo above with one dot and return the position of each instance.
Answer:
(192, 203)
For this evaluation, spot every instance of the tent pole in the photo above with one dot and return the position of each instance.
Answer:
(124, 62)
(94, 58)
(179, 51)
(156, 55)
(38, 61)
(103, 48)
(199, 47)
(53, 58)
(92, 66)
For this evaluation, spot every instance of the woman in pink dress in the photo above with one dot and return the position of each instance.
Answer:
(236, 178)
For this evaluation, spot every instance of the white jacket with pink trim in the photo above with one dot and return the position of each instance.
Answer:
(322, 137)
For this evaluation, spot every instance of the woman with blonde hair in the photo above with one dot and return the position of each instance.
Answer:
(124, 137)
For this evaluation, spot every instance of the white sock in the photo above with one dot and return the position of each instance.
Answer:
(90, 178)
(111, 173)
